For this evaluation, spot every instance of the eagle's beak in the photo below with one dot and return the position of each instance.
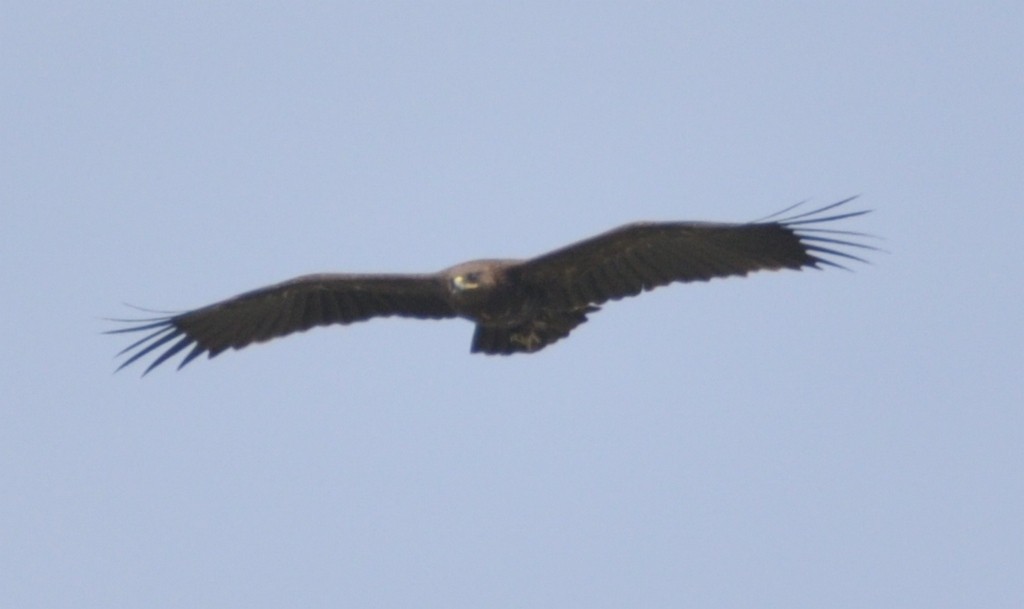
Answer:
(460, 283)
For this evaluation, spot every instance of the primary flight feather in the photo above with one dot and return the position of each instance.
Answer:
(519, 306)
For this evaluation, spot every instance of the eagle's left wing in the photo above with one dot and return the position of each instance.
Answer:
(642, 256)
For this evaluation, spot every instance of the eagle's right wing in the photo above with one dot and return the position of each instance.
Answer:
(292, 306)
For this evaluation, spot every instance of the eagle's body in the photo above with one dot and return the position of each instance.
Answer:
(517, 305)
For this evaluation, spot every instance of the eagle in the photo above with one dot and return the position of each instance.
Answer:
(518, 306)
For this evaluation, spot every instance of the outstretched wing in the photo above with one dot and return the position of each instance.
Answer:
(292, 306)
(642, 256)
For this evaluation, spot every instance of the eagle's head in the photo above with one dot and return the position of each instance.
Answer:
(476, 276)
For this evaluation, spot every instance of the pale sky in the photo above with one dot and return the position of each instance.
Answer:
(797, 439)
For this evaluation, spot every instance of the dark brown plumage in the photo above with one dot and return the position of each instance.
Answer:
(517, 305)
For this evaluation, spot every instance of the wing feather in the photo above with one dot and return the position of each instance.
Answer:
(642, 256)
(282, 309)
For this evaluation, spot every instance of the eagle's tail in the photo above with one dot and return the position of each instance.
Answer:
(529, 336)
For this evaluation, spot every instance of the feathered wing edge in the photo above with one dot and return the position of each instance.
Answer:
(165, 331)
(823, 242)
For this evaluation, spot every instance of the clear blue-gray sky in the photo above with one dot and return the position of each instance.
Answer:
(812, 439)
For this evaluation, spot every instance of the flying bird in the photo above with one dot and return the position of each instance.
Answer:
(518, 306)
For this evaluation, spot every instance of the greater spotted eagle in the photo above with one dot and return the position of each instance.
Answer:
(518, 306)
